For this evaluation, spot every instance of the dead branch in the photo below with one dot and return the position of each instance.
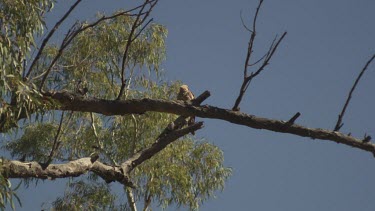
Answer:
(247, 79)
(74, 102)
(339, 123)
(265, 58)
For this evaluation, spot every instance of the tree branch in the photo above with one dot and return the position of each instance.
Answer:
(131, 198)
(162, 142)
(45, 40)
(132, 37)
(69, 101)
(339, 123)
(266, 58)
(17, 169)
(56, 142)
(74, 32)
(166, 137)
(75, 102)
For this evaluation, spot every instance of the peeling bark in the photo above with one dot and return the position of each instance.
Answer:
(18, 169)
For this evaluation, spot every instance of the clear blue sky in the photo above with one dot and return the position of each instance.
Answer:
(328, 43)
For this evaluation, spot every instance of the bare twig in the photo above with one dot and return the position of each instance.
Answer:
(56, 142)
(126, 52)
(138, 22)
(259, 60)
(99, 146)
(46, 39)
(367, 139)
(243, 23)
(291, 120)
(147, 201)
(294, 118)
(339, 123)
(72, 33)
(265, 58)
(247, 79)
(142, 29)
(252, 39)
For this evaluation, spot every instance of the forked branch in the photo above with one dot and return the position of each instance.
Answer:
(17, 169)
(264, 59)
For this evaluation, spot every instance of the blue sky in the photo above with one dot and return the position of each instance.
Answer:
(328, 43)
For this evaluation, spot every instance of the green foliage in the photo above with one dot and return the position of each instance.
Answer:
(35, 143)
(21, 22)
(7, 194)
(95, 57)
(83, 196)
(185, 173)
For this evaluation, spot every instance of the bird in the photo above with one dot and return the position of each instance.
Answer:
(186, 95)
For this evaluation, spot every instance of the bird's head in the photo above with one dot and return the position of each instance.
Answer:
(184, 88)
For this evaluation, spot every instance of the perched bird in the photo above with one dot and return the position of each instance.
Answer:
(185, 95)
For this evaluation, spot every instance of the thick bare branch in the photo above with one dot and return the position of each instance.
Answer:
(17, 169)
(75, 102)
(339, 123)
